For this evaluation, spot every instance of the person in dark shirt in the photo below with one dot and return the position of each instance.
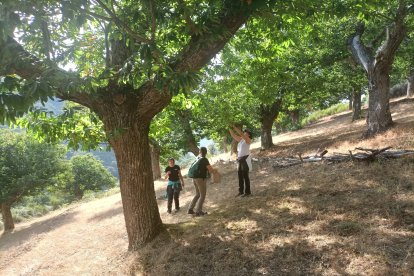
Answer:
(200, 185)
(175, 184)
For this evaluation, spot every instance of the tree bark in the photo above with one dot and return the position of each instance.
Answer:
(294, 116)
(268, 114)
(155, 161)
(233, 148)
(379, 115)
(7, 217)
(225, 145)
(131, 148)
(410, 85)
(356, 105)
(266, 133)
(78, 192)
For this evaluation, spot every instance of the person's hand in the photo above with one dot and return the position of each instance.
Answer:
(182, 184)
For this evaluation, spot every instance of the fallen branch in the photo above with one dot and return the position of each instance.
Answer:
(367, 155)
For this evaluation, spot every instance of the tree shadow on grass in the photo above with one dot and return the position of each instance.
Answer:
(19, 236)
(223, 249)
(107, 214)
(353, 223)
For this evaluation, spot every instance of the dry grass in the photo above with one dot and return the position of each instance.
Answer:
(351, 218)
(319, 219)
(314, 219)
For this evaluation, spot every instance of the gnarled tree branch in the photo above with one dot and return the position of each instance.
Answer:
(122, 24)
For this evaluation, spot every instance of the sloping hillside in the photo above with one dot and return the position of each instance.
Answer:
(352, 218)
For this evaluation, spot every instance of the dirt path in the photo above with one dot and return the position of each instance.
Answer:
(77, 240)
(90, 238)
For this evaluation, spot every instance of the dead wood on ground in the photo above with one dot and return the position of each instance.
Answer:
(359, 154)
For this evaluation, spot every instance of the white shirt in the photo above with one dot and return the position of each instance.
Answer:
(243, 148)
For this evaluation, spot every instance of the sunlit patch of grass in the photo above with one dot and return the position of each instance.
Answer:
(335, 109)
(291, 206)
(244, 225)
(321, 241)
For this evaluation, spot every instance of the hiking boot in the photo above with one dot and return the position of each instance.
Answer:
(190, 212)
(169, 211)
(201, 213)
(239, 194)
(245, 195)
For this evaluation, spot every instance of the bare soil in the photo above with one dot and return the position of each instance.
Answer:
(352, 218)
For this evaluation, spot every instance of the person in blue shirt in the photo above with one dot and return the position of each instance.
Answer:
(175, 184)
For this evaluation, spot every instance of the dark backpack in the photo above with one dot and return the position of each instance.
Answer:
(194, 170)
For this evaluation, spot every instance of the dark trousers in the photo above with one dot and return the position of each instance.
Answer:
(173, 194)
(244, 180)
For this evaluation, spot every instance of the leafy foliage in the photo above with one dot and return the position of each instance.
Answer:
(27, 166)
(77, 124)
(88, 174)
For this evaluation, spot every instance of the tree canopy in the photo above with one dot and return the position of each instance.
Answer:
(89, 174)
(26, 166)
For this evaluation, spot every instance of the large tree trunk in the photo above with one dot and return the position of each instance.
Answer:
(7, 217)
(155, 162)
(410, 85)
(131, 147)
(356, 105)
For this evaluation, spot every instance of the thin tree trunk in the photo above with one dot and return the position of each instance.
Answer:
(155, 162)
(410, 85)
(268, 114)
(225, 149)
(351, 99)
(233, 148)
(184, 119)
(131, 147)
(294, 116)
(7, 217)
(78, 192)
(356, 105)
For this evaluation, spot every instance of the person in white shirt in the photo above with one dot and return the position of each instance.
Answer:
(243, 152)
